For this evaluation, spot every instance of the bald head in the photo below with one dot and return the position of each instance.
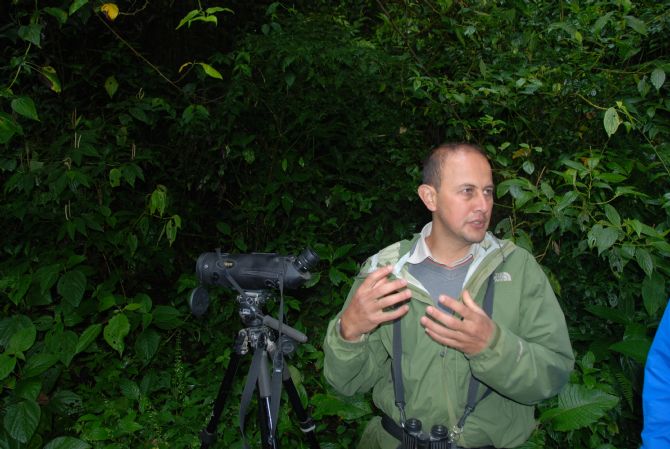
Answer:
(432, 165)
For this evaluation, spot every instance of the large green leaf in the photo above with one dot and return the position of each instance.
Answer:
(7, 364)
(611, 121)
(9, 326)
(28, 389)
(146, 345)
(602, 238)
(609, 313)
(25, 106)
(21, 420)
(166, 317)
(76, 5)
(129, 389)
(87, 337)
(653, 293)
(115, 332)
(612, 215)
(158, 200)
(636, 24)
(71, 287)
(578, 407)
(39, 363)
(644, 260)
(111, 86)
(59, 14)
(658, 78)
(67, 443)
(23, 336)
(347, 408)
(636, 348)
(8, 128)
(50, 77)
(47, 276)
(63, 344)
(31, 33)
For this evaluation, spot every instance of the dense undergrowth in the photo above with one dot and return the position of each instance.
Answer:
(132, 143)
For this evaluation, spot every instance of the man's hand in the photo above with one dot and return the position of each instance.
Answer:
(470, 334)
(366, 309)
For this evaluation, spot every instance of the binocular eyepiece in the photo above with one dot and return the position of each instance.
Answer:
(414, 438)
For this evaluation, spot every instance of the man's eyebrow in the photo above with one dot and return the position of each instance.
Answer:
(467, 184)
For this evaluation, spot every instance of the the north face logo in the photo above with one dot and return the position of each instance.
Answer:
(503, 276)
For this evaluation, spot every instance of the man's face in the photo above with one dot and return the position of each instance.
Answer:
(462, 204)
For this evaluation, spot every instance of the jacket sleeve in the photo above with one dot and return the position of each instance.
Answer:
(532, 362)
(656, 390)
(353, 367)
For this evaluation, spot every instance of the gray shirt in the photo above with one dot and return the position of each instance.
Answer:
(439, 279)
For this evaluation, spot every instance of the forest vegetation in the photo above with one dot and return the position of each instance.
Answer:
(138, 134)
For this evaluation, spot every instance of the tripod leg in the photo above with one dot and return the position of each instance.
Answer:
(208, 434)
(267, 427)
(306, 423)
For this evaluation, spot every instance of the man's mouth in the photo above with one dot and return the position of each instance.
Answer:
(480, 222)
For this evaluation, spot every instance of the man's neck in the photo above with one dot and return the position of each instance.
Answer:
(448, 255)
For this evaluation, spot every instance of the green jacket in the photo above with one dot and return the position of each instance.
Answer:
(529, 358)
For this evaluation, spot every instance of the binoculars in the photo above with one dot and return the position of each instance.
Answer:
(415, 438)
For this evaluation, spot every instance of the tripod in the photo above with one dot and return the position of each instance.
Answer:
(258, 336)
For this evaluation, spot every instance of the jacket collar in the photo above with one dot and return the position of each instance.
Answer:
(419, 250)
(491, 249)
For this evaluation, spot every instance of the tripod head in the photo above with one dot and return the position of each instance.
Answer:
(257, 331)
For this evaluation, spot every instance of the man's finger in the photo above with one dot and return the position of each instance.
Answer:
(396, 313)
(471, 304)
(395, 298)
(377, 275)
(462, 308)
(441, 318)
(452, 304)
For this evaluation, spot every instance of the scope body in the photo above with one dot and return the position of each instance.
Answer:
(255, 271)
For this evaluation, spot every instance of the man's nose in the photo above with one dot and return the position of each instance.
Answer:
(482, 200)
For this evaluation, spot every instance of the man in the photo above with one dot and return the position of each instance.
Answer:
(435, 285)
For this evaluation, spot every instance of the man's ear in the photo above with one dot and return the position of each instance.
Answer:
(428, 195)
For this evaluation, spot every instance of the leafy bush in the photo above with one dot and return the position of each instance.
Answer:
(135, 139)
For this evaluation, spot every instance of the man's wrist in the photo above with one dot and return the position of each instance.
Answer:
(345, 336)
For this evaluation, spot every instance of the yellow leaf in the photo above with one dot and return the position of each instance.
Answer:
(110, 10)
(521, 152)
(50, 78)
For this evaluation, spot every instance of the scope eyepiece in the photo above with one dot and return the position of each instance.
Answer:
(306, 260)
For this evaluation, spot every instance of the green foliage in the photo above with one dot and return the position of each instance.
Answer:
(131, 146)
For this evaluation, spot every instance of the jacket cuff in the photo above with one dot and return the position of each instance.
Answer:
(335, 339)
(338, 326)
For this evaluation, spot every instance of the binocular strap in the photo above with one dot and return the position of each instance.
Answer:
(473, 387)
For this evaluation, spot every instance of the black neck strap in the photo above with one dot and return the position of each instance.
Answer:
(396, 371)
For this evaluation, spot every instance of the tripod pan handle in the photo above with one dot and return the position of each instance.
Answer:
(286, 330)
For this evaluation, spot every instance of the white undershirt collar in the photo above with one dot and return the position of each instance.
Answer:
(421, 251)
